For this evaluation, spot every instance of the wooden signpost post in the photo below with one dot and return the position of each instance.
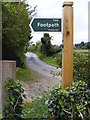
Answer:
(67, 54)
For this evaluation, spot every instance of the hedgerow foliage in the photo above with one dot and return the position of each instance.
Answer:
(81, 67)
(13, 107)
(71, 103)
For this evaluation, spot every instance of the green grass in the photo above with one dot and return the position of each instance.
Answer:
(37, 50)
(25, 74)
(82, 51)
(36, 109)
(50, 59)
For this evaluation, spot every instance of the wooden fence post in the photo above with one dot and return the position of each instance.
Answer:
(67, 54)
(8, 71)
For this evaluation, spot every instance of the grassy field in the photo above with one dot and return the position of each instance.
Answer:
(82, 51)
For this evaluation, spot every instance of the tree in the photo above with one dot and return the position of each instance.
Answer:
(15, 28)
(46, 47)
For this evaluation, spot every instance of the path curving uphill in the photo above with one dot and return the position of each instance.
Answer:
(34, 63)
(47, 76)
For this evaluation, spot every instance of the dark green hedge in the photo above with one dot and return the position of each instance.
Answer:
(71, 103)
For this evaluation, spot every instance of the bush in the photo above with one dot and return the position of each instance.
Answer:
(56, 49)
(71, 103)
(59, 59)
(81, 67)
(13, 107)
(46, 47)
(32, 48)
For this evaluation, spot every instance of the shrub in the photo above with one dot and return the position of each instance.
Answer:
(32, 48)
(81, 67)
(59, 59)
(71, 103)
(46, 47)
(13, 107)
(56, 49)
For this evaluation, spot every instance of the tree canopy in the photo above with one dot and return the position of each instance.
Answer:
(46, 44)
(47, 48)
(15, 27)
(82, 45)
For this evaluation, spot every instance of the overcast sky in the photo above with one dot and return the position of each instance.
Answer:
(53, 9)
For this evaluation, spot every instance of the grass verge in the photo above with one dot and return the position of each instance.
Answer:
(50, 59)
(25, 74)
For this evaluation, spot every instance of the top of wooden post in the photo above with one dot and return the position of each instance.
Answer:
(67, 4)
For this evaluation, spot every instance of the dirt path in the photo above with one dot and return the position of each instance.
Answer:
(45, 80)
(38, 87)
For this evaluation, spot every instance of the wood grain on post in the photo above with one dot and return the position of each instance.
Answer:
(67, 54)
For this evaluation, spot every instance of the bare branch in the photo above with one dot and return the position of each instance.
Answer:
(16, 102)
(81, 116)
(67, 111)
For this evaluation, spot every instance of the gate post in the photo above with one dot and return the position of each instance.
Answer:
(67, 52)
(8, 70)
